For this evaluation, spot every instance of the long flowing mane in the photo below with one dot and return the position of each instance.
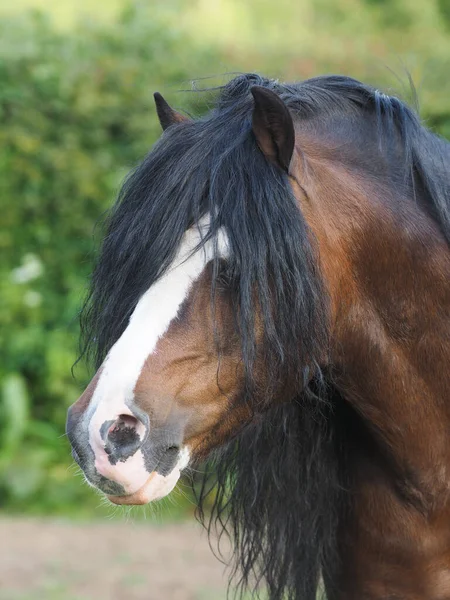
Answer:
(278, 485)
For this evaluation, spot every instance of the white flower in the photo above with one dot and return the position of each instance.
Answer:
(31, 268)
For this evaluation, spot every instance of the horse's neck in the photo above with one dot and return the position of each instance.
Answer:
(391, 350)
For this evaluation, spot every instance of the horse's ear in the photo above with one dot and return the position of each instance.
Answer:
(273, 126)
(167, 116)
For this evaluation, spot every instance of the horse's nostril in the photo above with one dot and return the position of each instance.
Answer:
(124, 437)
(124, 421)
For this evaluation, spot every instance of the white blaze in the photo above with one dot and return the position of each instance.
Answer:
(150, 320)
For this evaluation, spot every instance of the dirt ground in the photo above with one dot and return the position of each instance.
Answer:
(61, 560)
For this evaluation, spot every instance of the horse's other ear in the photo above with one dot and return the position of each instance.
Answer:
(273, 126)
(167, 116)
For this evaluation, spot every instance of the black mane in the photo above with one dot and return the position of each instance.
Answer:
(212, 164)
(279, 483)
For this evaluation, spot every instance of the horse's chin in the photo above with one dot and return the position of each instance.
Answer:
(156, 487)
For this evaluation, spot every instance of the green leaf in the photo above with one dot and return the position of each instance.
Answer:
(14, 409)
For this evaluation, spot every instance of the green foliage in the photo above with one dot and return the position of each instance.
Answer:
(75, 116)
(444, 7)
(76, 113)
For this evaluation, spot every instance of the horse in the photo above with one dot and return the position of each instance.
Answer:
(272, 297)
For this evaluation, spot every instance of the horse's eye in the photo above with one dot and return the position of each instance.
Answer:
(224, 278)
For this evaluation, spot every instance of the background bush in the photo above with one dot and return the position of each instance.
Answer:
(76, 113)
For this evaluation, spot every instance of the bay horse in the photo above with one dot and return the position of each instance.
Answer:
(273, 292)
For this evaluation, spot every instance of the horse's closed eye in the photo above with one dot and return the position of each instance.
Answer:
(224, 279)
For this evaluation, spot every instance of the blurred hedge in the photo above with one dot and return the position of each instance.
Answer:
(76, 112)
